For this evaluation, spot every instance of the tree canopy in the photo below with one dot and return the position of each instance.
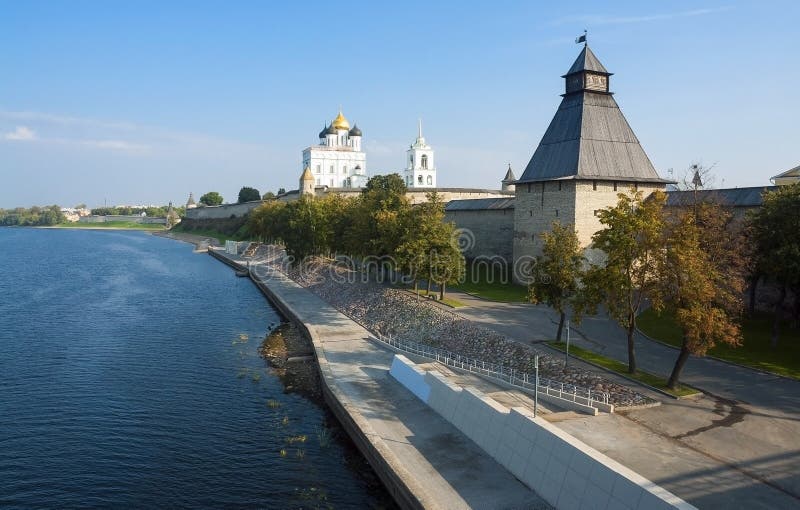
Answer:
(632, 241)
(211, 198)
(248, 194)
(558, 272)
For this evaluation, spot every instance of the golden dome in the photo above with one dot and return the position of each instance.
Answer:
(340, 122)
(307, 175)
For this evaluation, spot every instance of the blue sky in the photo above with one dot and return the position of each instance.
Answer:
(143, 102)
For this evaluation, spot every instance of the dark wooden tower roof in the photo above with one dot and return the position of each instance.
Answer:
(589, 137)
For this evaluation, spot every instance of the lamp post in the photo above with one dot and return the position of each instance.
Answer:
(536, 386)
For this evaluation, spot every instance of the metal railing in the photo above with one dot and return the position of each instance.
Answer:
(516, 378)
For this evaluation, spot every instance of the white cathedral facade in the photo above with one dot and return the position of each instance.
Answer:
(338, 160)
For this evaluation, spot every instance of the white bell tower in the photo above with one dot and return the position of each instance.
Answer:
(420, 169)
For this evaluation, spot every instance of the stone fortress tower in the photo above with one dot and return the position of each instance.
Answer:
(507, 184)
(307, 183)
(420, 171)
(338, 161)
(587, 155)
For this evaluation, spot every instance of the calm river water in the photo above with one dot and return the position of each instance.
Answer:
(129, 377)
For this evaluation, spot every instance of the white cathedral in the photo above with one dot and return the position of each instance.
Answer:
(338, 161)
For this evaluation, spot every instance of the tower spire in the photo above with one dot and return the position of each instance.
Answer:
(420, 127)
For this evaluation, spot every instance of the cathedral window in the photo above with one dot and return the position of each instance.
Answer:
(424, 161)
(344, 169)
(319, 169)
(594, 185)
(615, 185)
(419, 179)
(332, 169)
(430, 179)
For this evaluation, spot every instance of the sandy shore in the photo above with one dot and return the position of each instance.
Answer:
(201, 243)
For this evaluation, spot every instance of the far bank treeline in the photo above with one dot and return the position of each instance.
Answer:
(33, 217)
(379, 227)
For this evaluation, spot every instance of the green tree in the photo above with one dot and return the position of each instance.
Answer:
(268, 222)
(699, 286)
(558, 272)
(424, 228)
(632, 241)
(247, 194)
(211, 198)
(378, 226)
(774, 230)
(268, 196)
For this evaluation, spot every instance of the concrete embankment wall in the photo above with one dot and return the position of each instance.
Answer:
(562, 469)
(394, 476)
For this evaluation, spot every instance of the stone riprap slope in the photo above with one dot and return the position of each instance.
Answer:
(394, 312)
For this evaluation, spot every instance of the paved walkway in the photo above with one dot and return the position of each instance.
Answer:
(443, 467)
(736, 447)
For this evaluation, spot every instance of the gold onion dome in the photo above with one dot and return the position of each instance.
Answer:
(340, 122)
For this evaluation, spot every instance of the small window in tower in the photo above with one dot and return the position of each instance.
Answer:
(594, 185)
(559, 189)
(319, 169)
(424, 161)
(419, 179)
(615, 185)
(529, 187)
(331, 183)
(332, 169)
(317, 182)
(556, 213)
(530, 213)
(430, 180)
(344, 169)
(636, 186)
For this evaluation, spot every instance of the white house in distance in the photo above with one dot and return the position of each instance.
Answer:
(420, 171)
(337, 161)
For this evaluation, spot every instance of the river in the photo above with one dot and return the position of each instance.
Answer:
(130, 377)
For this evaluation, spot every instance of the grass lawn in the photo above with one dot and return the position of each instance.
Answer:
(447, 301)
(493, 284)
(128, 225)
(209, 233)
(755, 350)
(622, 369)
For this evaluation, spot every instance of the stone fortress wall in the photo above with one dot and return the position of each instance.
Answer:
(486, 233)
(415, 196)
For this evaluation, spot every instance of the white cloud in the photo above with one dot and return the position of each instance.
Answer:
(21, 133)
(601, 19)
(113, 144)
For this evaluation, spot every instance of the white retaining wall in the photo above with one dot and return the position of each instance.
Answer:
(566, 472)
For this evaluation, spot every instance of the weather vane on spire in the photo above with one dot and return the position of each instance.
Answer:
(582, 39)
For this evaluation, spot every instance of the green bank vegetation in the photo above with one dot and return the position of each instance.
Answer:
(31, 217)
(622, 369)
(114, 225)
(492, 282)
(692, 264)
(378, 231)
(755, 351)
